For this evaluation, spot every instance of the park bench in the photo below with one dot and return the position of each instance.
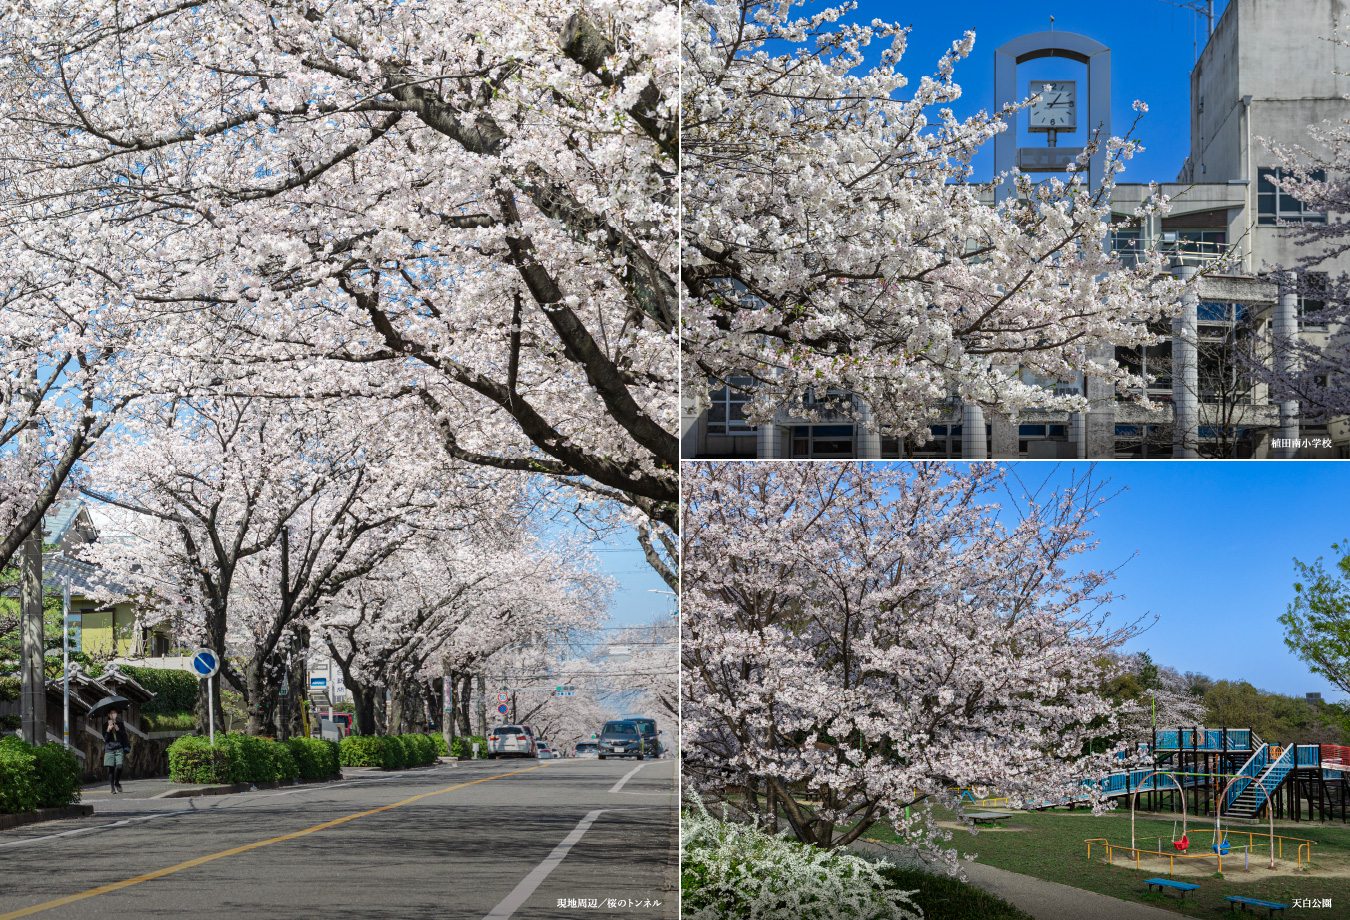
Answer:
(987, 817)
(1162, 883)
(1255, 902)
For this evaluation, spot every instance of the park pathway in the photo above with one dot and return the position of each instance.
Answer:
(1045, 900)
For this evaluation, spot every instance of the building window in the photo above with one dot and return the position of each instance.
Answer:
(822, 442)
(1128, 245)
(1314, 302)
(1274, 205)
(726, 416)
(1143, 441)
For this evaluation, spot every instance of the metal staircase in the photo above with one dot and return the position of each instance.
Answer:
(1264, 774)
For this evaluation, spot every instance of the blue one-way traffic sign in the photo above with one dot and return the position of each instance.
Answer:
(205, 663)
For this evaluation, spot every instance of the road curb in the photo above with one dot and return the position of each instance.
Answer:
(45, 814)
(671, 883)
(232, 788)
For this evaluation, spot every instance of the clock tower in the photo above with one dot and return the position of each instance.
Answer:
(1057, 104)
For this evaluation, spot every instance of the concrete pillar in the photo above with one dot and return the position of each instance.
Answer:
(868, 443)
(768, 443)
(1185, 372)
(974, 446)
(1284, 335)
(32, 680)
(1003, 434)
(1078, 434)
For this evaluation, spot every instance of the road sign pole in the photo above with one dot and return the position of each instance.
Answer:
(211, 711)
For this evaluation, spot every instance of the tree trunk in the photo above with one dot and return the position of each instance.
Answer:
(462, 694)
(482, 704)
(262, 698)
(363, 708)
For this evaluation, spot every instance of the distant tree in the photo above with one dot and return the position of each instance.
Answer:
(1317, 623)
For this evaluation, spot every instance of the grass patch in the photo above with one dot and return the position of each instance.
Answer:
(946, 898)
(1049, 845)
(181, 721)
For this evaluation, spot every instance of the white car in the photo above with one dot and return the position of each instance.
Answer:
(587, 750)
(543, 751)
(510, 741)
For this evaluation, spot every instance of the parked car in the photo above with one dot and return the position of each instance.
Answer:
(621, 739)
(510, 741)
(345, 722)
(587, 750)
(543, 751)
(651, 738)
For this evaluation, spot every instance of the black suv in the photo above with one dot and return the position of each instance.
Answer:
(651, 738)
(622, 739)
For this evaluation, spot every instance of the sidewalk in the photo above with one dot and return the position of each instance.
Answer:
(161, 787)
(1045, 900)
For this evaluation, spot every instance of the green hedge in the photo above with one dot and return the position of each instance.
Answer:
(317, 759)
(193, 760)
(169, 721)
(240, 758)
(175, 691)
(10, 689)
(391, 752)
(47, 776)
(464, 746)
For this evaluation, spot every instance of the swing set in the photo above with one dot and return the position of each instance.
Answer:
(1180, 847)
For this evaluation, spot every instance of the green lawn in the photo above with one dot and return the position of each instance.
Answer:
(1049, 845)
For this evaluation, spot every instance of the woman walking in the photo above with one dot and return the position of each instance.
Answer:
(116, 741)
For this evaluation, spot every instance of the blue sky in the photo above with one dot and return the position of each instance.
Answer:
(1153, 46)
(1208, 548)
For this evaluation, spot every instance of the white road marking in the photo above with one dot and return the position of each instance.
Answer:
(626, 777)
(521, 893)
(81, 830)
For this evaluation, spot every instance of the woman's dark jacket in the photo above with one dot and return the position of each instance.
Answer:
(117, 733)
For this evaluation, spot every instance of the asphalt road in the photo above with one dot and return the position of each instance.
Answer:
(485, 839)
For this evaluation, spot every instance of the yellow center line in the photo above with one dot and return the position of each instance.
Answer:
(202, 860)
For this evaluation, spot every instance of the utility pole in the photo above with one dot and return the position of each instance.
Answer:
(65, 663)
(482, 705)
(33, 681)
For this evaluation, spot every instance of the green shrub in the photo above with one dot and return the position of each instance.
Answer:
(728, 869)
(46, 776)
(193, 760)
(57, 776)
(442, 750)
(174, 691)
(424, 747)
(258, 760)
(315, 758)
(464, 746)
(361, 751)
(18, 789)
(11, 722)
(394, 756)
(10, 689)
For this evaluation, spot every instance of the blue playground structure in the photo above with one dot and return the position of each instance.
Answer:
(1233, 770)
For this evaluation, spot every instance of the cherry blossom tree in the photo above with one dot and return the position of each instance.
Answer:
(860, 639)
(473, 205)
(252, 512)
(450, 606)
(68, 372)
(833, 242)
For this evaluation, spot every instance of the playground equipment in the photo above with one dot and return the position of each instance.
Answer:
(1233, 773)
(1219, 845)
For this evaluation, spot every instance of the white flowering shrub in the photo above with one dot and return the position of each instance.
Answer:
(733, 870)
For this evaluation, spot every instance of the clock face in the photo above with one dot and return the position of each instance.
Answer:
(1057, 107)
